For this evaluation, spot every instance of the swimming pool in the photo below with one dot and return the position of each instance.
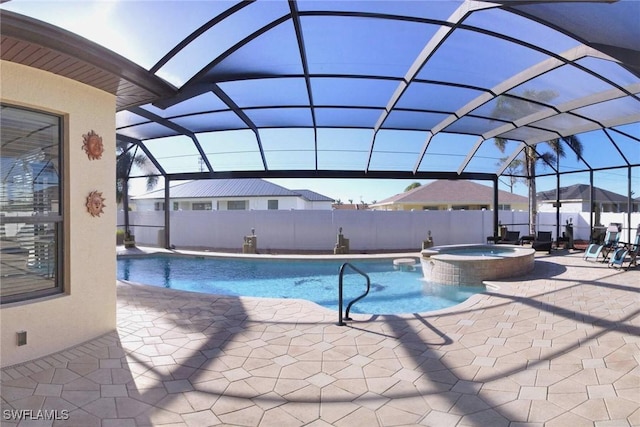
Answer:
(393, 291)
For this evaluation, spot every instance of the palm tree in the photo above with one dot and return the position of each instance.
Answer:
(514, 168)
(128, 156)
(512, 108)
(531, 158)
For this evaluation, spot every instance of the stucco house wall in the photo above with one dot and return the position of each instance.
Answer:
(87, 308)
(253, 203)
(575, 206)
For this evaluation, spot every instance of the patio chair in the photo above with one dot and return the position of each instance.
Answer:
(632, 250)
(618, 257)
(510, 238)
(543, 241)
(611, 239)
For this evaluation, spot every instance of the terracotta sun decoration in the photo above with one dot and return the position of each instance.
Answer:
(92, 145)
(95, 203)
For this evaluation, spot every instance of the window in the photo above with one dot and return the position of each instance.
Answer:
(502, 207)
(30, 204)
(237, 205)
(158, 206)
(272, 205)
(201, 206)
(176, 206)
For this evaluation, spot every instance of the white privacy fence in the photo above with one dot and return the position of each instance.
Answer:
(310, 230)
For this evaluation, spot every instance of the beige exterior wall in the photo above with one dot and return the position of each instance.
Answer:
(87, 309)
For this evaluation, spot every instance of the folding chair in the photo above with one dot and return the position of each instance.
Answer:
(618, 257)
(511, 238)
(543, 241)
(611, 239)
(633, 250)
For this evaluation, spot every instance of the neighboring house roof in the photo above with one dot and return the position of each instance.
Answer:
(312, 196)
(451, 192)
(217, 188)
(581, 192)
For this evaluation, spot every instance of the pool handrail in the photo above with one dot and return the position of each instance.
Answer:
(362, 273)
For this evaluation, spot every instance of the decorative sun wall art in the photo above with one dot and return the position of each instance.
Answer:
(92, 145)
(95, 203)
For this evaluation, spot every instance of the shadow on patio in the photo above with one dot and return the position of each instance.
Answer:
(556, 348)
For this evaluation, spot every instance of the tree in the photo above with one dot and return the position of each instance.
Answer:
(514, 168)
(510, 108)
(128, 156)
(412, 186)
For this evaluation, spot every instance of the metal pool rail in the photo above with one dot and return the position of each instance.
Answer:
(362, 273)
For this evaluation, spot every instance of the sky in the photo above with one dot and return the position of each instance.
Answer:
(342, 149)
(369, 190)
(359, 190)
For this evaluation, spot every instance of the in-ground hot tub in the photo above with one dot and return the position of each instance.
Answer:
(473, 264)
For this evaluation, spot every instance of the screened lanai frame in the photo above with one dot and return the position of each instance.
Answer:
(401, 90)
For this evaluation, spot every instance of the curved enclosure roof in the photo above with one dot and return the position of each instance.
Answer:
(350, 89)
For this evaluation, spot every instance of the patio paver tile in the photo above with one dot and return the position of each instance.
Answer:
(441, 419)
(560, 351)
(601, 391)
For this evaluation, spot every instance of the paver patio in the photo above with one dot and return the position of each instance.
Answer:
(559, 347)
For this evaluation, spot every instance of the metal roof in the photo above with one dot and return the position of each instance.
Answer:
(379, 89)
(217, 188)
(313, 196)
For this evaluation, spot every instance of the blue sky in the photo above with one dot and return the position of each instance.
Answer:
(348, 150)
(104, 23)
(345, 189)
(368, 190)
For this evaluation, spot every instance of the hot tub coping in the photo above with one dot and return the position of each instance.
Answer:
(438, 252)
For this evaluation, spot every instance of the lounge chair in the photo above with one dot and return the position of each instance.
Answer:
(510, 238)
(633, 251)
(611, 239)
(620, 254)
(618, 257)
(543, 241)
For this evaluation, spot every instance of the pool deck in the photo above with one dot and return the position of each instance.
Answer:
(558, 347)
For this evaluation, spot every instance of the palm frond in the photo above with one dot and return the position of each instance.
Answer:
(557, 147)
(575, 144)
(549, 158)
(501, 143)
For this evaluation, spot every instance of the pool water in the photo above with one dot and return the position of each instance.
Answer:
(484, 251)
(393, 291)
